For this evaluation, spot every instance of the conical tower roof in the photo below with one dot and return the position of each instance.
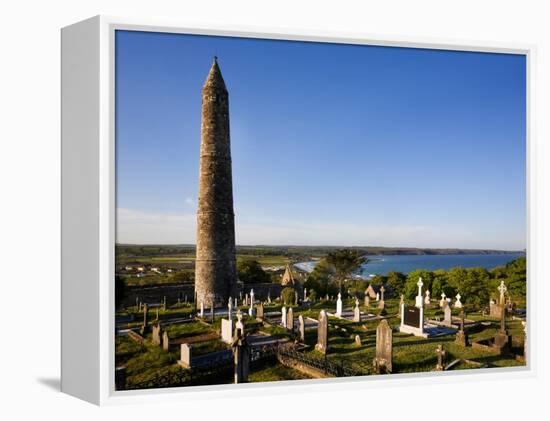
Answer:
(288, 277)
(214, 79)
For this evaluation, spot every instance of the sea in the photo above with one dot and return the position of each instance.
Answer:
(381, 265)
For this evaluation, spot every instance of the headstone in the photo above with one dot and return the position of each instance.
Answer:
(201, 314)
(461, 336)
(212, 311)
(235, 303)
(384, 348)
(295, 297)
(239, 326)
(357, 340)
(443, 301)
(458, 304)
(230, 309)
(377, 296)
(419, 297)
(164, 304)
(322, 333)
(305, 294)
(157, 314)
(227, 331)
(269, 296)
(382, 308)
(185, 355)
(165, 341)
(367, 300)
(339, 306)
(251, 309)
(283, 316)
(290, 319)
(157, 334)
(502, 340)
(260, 311)
(440, 355)
(427, 299)
(412, 320)
(241, 358)
(301, 328)
(356, 312)
(502, 289)
(447, 316)
(145, 326)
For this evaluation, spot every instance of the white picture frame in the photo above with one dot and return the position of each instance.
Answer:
(88, 209)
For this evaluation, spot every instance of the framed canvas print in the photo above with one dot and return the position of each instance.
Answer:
(243, 209)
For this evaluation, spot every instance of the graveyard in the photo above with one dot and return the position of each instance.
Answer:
(261, 339)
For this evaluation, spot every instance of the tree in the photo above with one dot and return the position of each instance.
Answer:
(411, 287)
(251, 272)
(396, 281)
(184, 277)
(344, 262)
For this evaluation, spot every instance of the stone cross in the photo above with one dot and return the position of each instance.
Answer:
(440, 355)
(322, 333)
(443, 300)
(339, 306)
(427, 299)
(458, 304)
(384, 348)
(402, 300)
(283, 316)
(301, 328)
(241, 356)
(502, 289)
(461, 336)
(382, 290)
(419, 298)
(462, 320)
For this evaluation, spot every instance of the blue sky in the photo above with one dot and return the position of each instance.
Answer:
(331, 144)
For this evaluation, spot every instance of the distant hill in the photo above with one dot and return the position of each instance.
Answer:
(297, 251)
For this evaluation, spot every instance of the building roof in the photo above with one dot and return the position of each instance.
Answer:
(288, 277)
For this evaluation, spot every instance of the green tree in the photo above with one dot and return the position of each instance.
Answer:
(288, 296)
(344, 262)
(411, 287)
(396, 281)
(183, 277)
(251, 272)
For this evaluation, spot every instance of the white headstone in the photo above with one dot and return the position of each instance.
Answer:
(458, 303)
(201, 314)
(443, 301)
(427, 299)
(230, 309)
(339, 306)
(240, 325)
(419, 297)
(227, 331)
(283, 316)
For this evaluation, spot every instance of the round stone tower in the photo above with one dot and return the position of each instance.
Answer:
(215, 266)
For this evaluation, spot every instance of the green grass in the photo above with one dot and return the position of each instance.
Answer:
(276, 372)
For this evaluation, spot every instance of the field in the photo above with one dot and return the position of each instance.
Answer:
(146, 362)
